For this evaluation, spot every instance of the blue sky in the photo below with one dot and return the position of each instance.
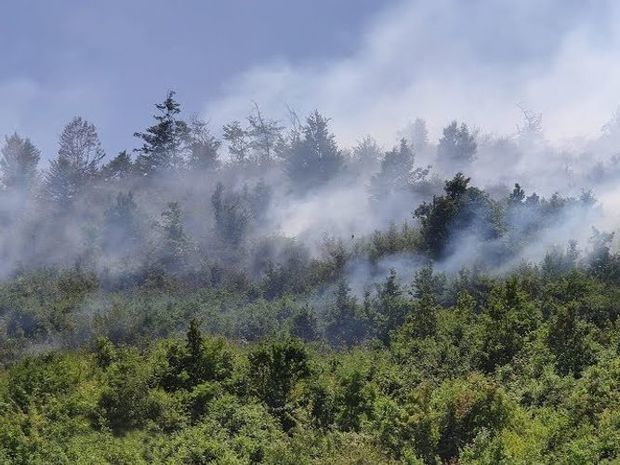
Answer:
(371, 65)
(111, 60)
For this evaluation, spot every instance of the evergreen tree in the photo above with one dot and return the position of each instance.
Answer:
(391, 309)
(18, 165)
(395, 174)
(461, 209)
(121, 228)
(61, 182)
(517, 196)
(232, 216)
(314, 158)
(344, 325)
(275, 368)
(164, 142)
(175, 244)
(119, 167)
(203, 147)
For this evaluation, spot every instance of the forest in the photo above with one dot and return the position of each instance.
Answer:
(260, 294)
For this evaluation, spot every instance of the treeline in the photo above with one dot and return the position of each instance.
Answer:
(181, 192)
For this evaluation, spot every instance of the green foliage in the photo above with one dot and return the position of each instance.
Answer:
(163, 142)
(124, 402)
(274, 369)
(197, 361)
(463, 209)
(294, 355)
(345, 324)
(313, 157)
(290, 367)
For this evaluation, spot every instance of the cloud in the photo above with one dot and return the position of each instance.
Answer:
(449, 59)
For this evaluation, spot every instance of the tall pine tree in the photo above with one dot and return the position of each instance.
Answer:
(164, 142)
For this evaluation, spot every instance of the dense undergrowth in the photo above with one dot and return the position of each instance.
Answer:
(470, 369)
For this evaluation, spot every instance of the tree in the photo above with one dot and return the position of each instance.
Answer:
(366, 156)
(507, 320)
(61, 183)
(571, 339)
(395, 171)
(304, 325)
(121, 228)
(124, 401)
(355, 399)
(457, 147)
(416, 134)
(163, 142)
(264, 135)
(314, 158)
(462, 209)
(419, 135)
(18, 164)
(231, 216)
(238, 143)
(197, 361)
(203, 147)
(391, 307)
(344, 325)
(77, 163)
(530, 133)
(255, 143)
(600, 259)
(427, 288)
(517, 196)
(79, 144)
(175, 244)
(275, 368)
(119, 167)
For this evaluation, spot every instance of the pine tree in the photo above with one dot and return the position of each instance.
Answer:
(119, 167)
(121, 228)
(175, 245)
(395, 174)
(203, 147)
(194, 348)
(314, 158)
(344, 326)
(18, 164)
(231, 214)
(164, 142)
(172, 226)
(391, 307)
